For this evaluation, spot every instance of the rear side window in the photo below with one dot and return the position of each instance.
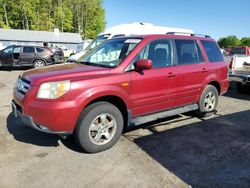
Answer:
(39, 49)
(28, 49)
(188, 52)
(213, 52)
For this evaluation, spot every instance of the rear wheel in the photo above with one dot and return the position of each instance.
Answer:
(39, 63)
(99, 127)
(208, 101)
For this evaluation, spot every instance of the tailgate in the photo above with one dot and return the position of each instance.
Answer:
(241, 64)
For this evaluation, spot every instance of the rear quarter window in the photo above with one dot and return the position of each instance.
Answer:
(39, 49)
(212, 50)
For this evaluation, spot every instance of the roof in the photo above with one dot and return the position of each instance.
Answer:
(191, 36)
(139, 28)
(39, 36)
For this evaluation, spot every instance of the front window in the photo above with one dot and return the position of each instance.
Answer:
(111, 53)
(159, 51)
(100, 39)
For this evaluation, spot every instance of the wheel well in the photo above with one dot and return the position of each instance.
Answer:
(116, 101)
(216, 85)
(40, 60)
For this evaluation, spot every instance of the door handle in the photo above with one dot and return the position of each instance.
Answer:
(204, 70)
(171, 75)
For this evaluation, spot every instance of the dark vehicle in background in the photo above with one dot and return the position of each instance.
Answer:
(21, 55)
(243, 50)
(58, 54)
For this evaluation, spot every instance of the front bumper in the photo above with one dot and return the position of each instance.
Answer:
(28, 120)
(243, 78)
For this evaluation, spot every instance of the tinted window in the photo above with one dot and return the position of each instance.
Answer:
(237, 51)
(159, 51)
(188, 52)
(115, 36)
(213, 51)
(39, 49)
(28, 49)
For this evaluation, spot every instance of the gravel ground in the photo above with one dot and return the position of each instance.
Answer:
(182, 151)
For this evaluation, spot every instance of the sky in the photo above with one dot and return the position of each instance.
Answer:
(217, 18)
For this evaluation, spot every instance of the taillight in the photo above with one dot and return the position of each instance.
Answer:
(231, 63)
(50, 51)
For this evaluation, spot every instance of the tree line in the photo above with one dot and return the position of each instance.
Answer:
(86, 17)
(232, 40)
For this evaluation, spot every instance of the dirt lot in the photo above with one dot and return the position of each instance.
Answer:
(183, 151)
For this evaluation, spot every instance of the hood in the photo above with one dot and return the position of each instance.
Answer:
(63, 72)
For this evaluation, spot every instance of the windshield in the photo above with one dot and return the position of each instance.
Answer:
(238, 51)
(111, 53)
(100, 39)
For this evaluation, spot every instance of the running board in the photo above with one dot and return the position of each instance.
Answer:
(163, 114)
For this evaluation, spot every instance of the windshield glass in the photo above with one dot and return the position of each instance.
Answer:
(100, 39)
(111, 53)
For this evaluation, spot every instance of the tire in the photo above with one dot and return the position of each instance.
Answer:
(208, 101)
(241, 88)
(94, 131)
(39, 64)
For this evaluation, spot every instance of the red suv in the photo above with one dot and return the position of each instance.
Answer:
(124, 82)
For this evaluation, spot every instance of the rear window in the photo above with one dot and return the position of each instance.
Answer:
(39, 49)
(213, 52)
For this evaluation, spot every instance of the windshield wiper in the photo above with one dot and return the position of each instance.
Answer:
(84, 62)
(95, 64)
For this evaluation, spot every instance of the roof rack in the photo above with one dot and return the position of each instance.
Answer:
(191, 34)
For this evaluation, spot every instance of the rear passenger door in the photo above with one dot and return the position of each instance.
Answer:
(154, 89)
(191, 71)
(28, 55)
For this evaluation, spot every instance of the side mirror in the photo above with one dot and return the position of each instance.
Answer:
(143, 64)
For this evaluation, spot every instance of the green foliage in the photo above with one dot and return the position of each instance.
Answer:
(231, 41)
(245, 41)
(83, 16)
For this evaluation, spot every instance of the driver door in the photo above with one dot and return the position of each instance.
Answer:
(6, 57)
(154, 89)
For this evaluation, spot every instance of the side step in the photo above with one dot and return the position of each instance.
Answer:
(163, 114)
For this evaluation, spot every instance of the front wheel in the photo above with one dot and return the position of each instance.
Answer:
(208, 101)
(99, 127)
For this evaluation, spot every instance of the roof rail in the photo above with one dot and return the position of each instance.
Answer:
(191, 34)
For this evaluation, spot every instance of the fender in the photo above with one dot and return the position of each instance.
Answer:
(210, 78)
(39, 59)
(101, 91)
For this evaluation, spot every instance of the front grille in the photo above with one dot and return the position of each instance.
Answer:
(21, 87)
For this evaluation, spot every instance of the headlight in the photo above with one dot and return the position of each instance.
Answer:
(53, 90)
